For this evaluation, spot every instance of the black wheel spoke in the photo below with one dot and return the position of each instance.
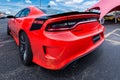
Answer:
(22, 42)
(22, 38)
(22, 48)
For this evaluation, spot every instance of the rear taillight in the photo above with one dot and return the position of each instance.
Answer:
(36, 25)
(68, 24)
(60, 26)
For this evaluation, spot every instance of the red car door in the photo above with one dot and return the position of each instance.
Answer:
(18, 20)
(17, 25)
(13, 23)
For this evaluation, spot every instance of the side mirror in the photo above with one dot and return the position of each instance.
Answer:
(10, 16)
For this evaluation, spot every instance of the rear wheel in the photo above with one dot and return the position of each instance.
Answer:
(25, 49)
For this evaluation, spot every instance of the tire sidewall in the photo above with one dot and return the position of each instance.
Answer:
(28, 60)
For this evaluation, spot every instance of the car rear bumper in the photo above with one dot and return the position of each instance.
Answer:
(59, 51)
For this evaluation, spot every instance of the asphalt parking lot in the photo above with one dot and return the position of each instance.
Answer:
(101, 64)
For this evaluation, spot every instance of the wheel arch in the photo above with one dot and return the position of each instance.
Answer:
(20, 33)
(25, 33)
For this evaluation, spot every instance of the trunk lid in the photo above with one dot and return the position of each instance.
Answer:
(73, 21)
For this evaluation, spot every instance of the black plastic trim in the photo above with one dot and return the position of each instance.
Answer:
(70, 13)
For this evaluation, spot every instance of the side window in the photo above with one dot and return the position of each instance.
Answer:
(25, 12)
(18, 14)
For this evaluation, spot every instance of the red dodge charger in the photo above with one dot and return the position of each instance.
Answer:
(52, 38)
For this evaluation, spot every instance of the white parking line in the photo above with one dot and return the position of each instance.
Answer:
(116, 34)
(113, 41)
(7, 41)
(107, 35)
(113, 32)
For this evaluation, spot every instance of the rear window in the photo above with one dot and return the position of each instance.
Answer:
(51, 11)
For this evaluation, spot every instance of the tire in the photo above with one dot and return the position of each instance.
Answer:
(8, 31)
(25, 49)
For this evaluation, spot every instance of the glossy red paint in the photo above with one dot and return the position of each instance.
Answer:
(56, 49)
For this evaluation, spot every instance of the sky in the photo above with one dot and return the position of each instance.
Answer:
(13, 6)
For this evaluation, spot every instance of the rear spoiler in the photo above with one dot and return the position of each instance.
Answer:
(63, 14)
(71, 13)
